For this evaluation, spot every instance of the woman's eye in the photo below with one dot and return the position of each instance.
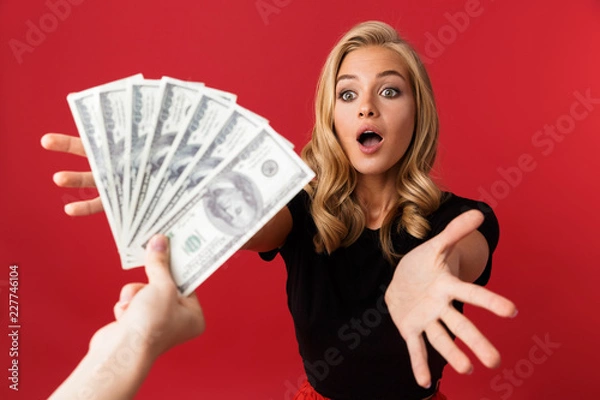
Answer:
(389, 92)
(347, 95)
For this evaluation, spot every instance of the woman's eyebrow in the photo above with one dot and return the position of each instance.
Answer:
(346, 76)
(379, 75)
(391, 72)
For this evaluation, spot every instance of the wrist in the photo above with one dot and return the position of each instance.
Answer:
(121, 348)
(114, 367)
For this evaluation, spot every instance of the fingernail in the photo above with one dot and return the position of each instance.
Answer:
(470, 371)
(159, 243)
(514, 314)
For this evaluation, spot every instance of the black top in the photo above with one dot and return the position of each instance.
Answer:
(350, 347)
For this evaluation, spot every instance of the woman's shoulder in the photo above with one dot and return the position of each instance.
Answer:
(451, 202)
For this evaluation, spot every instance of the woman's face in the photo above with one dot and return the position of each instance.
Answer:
(374, 110)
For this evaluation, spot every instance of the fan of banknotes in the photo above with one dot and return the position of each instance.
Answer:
(179, 158)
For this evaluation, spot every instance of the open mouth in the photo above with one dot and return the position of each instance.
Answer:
(369, 139)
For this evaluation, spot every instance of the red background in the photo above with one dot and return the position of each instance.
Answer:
(498, 81)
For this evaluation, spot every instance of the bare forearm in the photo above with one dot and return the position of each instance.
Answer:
(273, 234)
(116, 372)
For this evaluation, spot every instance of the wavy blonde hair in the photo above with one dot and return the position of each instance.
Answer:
(337, 212)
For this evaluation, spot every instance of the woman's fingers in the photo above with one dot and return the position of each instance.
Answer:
(481, 297)
(440, 339)
(457, 229)
(472, 337)
(72, 179)
(84, 207)
(63, 143)
(418, 360)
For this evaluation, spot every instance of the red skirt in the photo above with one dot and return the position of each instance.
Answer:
(307, 392)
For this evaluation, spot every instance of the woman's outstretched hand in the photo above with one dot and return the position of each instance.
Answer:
(71, 179)
(420, 297)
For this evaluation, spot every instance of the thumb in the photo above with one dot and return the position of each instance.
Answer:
(158, 260)
(459, 228)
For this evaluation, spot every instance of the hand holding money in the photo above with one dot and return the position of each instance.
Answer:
(181, 159)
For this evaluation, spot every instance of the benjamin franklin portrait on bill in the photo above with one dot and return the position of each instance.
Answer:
(232, 203)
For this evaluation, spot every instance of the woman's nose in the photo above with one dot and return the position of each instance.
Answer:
(367, 108)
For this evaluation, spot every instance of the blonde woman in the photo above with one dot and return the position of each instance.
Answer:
(378, 257)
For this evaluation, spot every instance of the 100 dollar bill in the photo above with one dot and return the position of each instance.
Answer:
(230, 206)
(177, 101)
(208, 115)
(239, 127)
(114, 101)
